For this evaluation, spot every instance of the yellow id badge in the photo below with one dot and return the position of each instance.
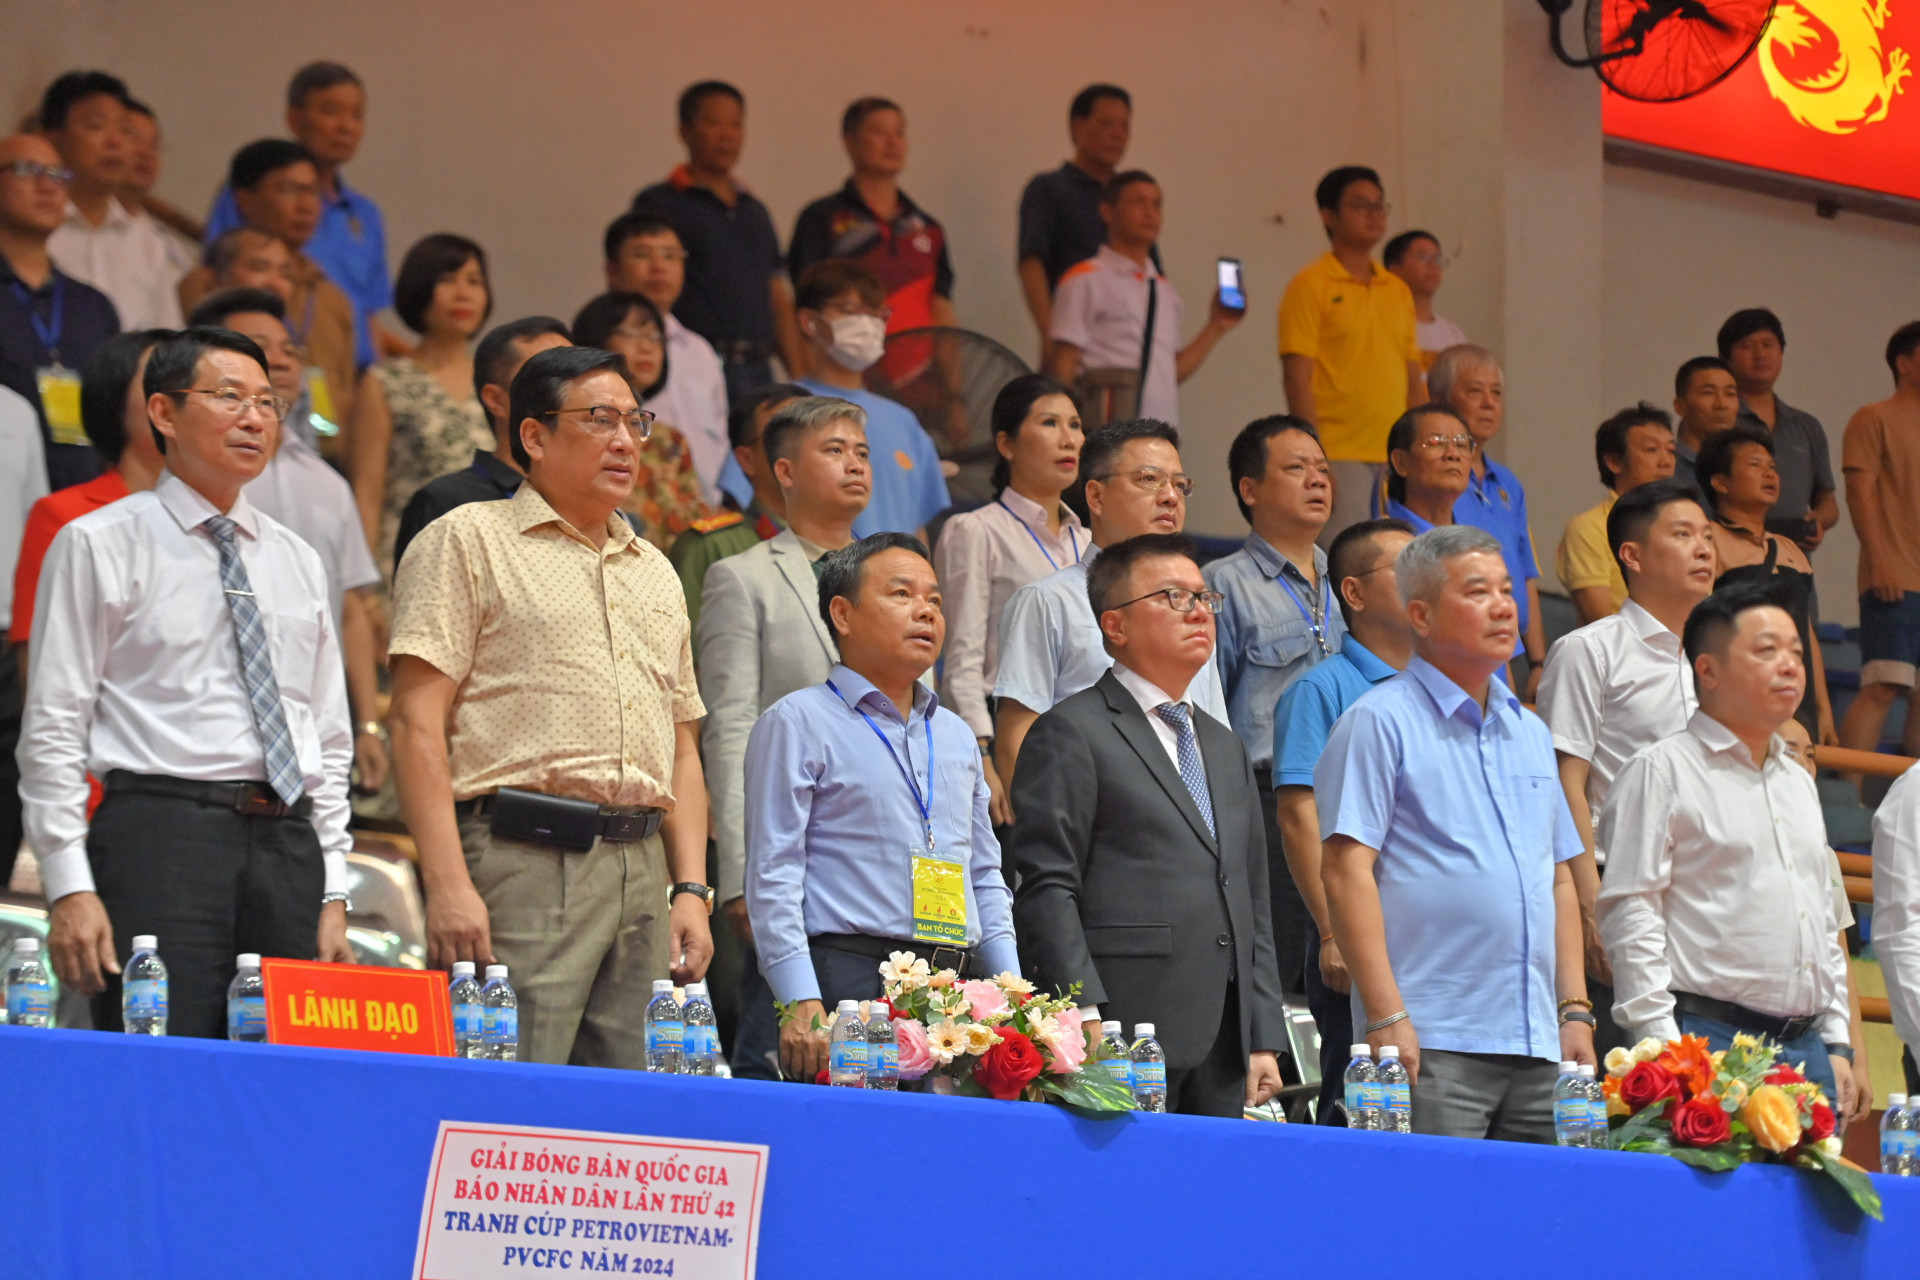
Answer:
(320, 400)
(60, 401)
(939, 900)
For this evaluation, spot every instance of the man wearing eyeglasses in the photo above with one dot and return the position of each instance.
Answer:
(1140, 848)
(185, 653)
(50, 323)
(1050, 646)
(544, 724)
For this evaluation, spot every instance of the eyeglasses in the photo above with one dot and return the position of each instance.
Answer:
(655, 255)
(34, 171)
(1380, 207)
(604, 420)
(1153, 480)
(230, 403)
(1440, 260)
(647, 337)
(1439, 444)
(1180, 600)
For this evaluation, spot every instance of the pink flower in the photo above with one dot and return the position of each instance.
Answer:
(915, 1058)
(985, 999)
(1070, 1050)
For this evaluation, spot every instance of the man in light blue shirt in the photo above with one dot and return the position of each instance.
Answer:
(866, 808)
(1446, 838)
(1050, 644)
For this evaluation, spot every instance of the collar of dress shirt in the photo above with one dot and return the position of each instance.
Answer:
(1120, 262)
(1033, 515)
(117, 216)
(1449, 697)
(1649, 628)
(1273, 564)
(859, 694)
(532, 510)
(1148, 694)
(190, 508)
(1365, 661)
(811, 550)
(1720, 740)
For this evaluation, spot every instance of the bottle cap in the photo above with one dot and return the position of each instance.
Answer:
(696, 989)
(1566, 1068)
(1109, 1028)
(1896, 1100)
(246, 960)
(1390, 1051)
(1360, 1051)
(463, 968)
(663, 985)
(26, 946)
(1585, 1069)
(848, 1006)
(1141, 1030)
(146, 942)
(496, 971)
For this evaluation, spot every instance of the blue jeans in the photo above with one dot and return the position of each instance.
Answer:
(1809, 1049)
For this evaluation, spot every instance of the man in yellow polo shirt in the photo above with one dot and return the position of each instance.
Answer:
(1349, 359)
(1633, 447)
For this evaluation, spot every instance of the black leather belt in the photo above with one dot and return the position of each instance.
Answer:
(1762, 1024)
(253, 799)
(937, 955)
(612, 822)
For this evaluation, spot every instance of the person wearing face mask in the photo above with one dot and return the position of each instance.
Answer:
(666, 488)
(843, 319)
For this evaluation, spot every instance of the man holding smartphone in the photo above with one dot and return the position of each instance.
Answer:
(1115, 311)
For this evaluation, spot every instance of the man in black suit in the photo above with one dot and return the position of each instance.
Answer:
(1140, 846)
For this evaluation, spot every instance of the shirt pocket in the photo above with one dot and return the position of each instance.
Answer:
(1271, 653)
(294, 645)
(1532, 812)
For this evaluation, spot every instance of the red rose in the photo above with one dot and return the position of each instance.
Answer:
(823, 1078)
(1784, 1074)
(1822, 1124)
(1647, 1084)
(1701, 1123)
(1007, 1067)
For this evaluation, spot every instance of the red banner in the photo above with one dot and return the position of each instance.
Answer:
(350, 1006)
(1827, 95)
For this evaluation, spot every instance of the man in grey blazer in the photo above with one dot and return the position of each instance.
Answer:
(1140, 845)
(760, 637)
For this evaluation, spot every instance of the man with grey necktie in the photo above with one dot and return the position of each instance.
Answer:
(1140, 847)
(185, 654)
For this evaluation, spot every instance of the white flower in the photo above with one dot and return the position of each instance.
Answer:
(1045, 1030)
(1619, 1061)
(1012, 983)
(1829, 1145)
(946, 1041)
(904, 970)
(980, 1037)
(1649, 1049)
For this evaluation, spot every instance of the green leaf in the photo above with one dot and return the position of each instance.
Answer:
(1852, 1179)
(1715, 1159)
(1643, 1122)
(1093, 1094)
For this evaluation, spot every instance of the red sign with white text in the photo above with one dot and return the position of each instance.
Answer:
(351, 1006)
(1827, 95)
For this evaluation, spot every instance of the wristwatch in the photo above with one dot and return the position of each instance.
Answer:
(703, 891)
(1840, 1051)
(1578, 1015)
(338, 897)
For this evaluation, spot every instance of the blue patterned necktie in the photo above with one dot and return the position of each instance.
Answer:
(1176, 714)
(256, 664)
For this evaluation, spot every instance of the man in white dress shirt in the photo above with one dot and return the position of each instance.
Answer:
(23, 482)
(184, 653)
(1621, 684)
(1896, 910)
(1715, 911)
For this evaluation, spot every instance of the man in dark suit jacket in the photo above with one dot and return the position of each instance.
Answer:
(1140, 846)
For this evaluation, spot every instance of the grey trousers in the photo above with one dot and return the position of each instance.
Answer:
(583, 936)
(1485, 1095)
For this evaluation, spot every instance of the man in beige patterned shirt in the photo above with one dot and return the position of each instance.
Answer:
(544, 728)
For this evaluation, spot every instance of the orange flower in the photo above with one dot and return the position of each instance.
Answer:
(1691, 1063)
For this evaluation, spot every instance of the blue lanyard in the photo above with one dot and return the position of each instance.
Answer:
(1036, 537)
(1317, 624)
(923, 802)
(48, 333)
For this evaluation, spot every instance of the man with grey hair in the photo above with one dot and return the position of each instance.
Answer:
(1446, 843)
(1469, 378)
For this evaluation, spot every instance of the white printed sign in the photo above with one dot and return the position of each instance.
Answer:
(505, 1202)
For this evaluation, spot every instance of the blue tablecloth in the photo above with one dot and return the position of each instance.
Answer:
(189, 1158)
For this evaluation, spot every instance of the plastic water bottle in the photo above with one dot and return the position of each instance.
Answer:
(29, 990)
(143, 989)
(1599, 1137)
(247, 1001)
(883, 1051)
(1149, 1069)
(1572, 1119)
(664, 1029)
(847, 1057)
(464, 994)
(1900, 1138)
(1119, 1062)
(1362, 1089)
(699, 1036)
(499, 1017)
(1396, 1092)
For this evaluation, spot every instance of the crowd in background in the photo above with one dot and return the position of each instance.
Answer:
(660, 610)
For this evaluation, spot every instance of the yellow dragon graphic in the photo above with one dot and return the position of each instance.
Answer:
(1860, 85)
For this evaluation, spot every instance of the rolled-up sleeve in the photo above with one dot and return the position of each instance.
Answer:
(781, 771)
(1896, 901)
(69, 656)
(1634, 828)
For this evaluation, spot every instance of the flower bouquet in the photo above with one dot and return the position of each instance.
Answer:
(996, 1038)
(1716, 1110)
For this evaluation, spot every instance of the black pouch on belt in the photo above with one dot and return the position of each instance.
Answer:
(528, 815)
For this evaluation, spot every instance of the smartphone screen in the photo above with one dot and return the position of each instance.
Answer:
(1233, 294)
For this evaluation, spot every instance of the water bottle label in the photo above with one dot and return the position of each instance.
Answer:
(1373, 1095)
(500, 1026)
(1356, 1097)
(1570, 1113)
(28, 1001)
(1148, 1076)
(1122, 1072)
(144, 998)
(884, 1058)
(247, 1018)
(468, 1020)
(701, 1042)
(663, 1037)
(847, 1057)
(1597, 1114)
(1907, 1143)
(1399, 1101)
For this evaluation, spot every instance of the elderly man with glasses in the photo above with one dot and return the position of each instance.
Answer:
(545, 725)
(1050, 647)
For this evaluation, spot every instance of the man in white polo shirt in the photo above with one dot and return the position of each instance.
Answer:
(1109, 310)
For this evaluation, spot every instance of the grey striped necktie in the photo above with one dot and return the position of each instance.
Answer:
(1188, 749)
(256, 664)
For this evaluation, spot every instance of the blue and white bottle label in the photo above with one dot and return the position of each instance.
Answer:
(1398, 1101)
(1357, 1098)
(663, 1037)
(884, 1057)
(144, 998)
(1571, 1113)
(847, 1057)
(27, 1002)
(1122, 1072)
(500, 1026)
(1373, 1095)
(1149, 1075)
(247, 1018)
(701, 1042)
(468, 1019)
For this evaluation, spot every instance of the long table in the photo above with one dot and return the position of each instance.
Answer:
(160, 1158)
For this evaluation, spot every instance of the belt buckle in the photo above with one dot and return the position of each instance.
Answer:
(256, 802)
(954, 958)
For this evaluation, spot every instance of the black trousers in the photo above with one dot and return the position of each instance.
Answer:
(209, 884)
(1292, 922)
(1218, 1086)
(1333, 1018)
(11, 697)
(845, 975)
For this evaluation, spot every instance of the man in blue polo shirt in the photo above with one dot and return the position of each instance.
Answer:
(1378, 643)
(1445, 840)
(327, 113)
